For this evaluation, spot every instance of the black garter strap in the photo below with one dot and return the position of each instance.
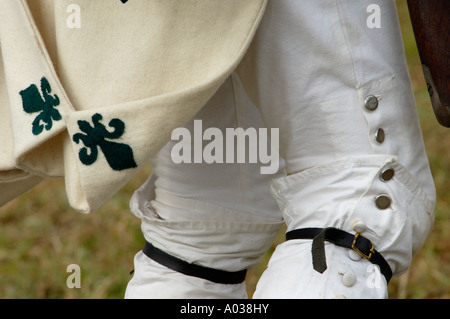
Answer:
(357, 242)
(181, 266)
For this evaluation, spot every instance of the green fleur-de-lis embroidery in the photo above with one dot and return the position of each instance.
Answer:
(118, 155)
(33, 102)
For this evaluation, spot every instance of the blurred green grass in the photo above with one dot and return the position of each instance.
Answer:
(40, 235)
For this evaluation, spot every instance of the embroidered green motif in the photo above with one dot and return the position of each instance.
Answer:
(33, 102)
(118, 155)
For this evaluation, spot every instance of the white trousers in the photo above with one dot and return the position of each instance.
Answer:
(351, 157)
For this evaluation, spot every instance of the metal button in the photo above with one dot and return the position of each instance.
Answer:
(387, 174)
(380, 135)
(383, 201)
(371, 103)
(359, 226)
(354, 255)
(349, 278)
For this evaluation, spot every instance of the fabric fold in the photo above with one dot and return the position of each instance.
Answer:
(62, 122)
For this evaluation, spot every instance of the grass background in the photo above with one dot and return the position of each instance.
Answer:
(40, 235)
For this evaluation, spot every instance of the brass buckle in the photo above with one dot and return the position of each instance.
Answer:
(359, 251)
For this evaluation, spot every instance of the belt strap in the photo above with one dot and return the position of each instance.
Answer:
(357, 242)
(211, 274)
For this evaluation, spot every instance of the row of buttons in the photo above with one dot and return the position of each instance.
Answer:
(382, 201)
(371, 104)
(349, 276)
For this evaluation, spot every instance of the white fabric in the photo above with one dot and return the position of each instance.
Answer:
(217, 215)
(332, 153)
(309, 70)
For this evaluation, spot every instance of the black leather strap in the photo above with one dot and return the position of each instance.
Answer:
(357, 242)
(211, 274)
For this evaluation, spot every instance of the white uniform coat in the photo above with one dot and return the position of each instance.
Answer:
(133, 71)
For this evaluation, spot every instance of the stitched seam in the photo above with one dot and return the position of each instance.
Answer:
(355, 77)
(47, 58)
(237, 124)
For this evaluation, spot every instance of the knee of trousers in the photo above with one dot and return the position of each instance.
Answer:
(152, 280)
(202, 233)
(231, 243)
(356, 195)
(226, 244)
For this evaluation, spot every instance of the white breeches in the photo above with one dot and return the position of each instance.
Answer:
(351, 156)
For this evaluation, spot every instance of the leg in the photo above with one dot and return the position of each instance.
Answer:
(340, 93)
(219, 216)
